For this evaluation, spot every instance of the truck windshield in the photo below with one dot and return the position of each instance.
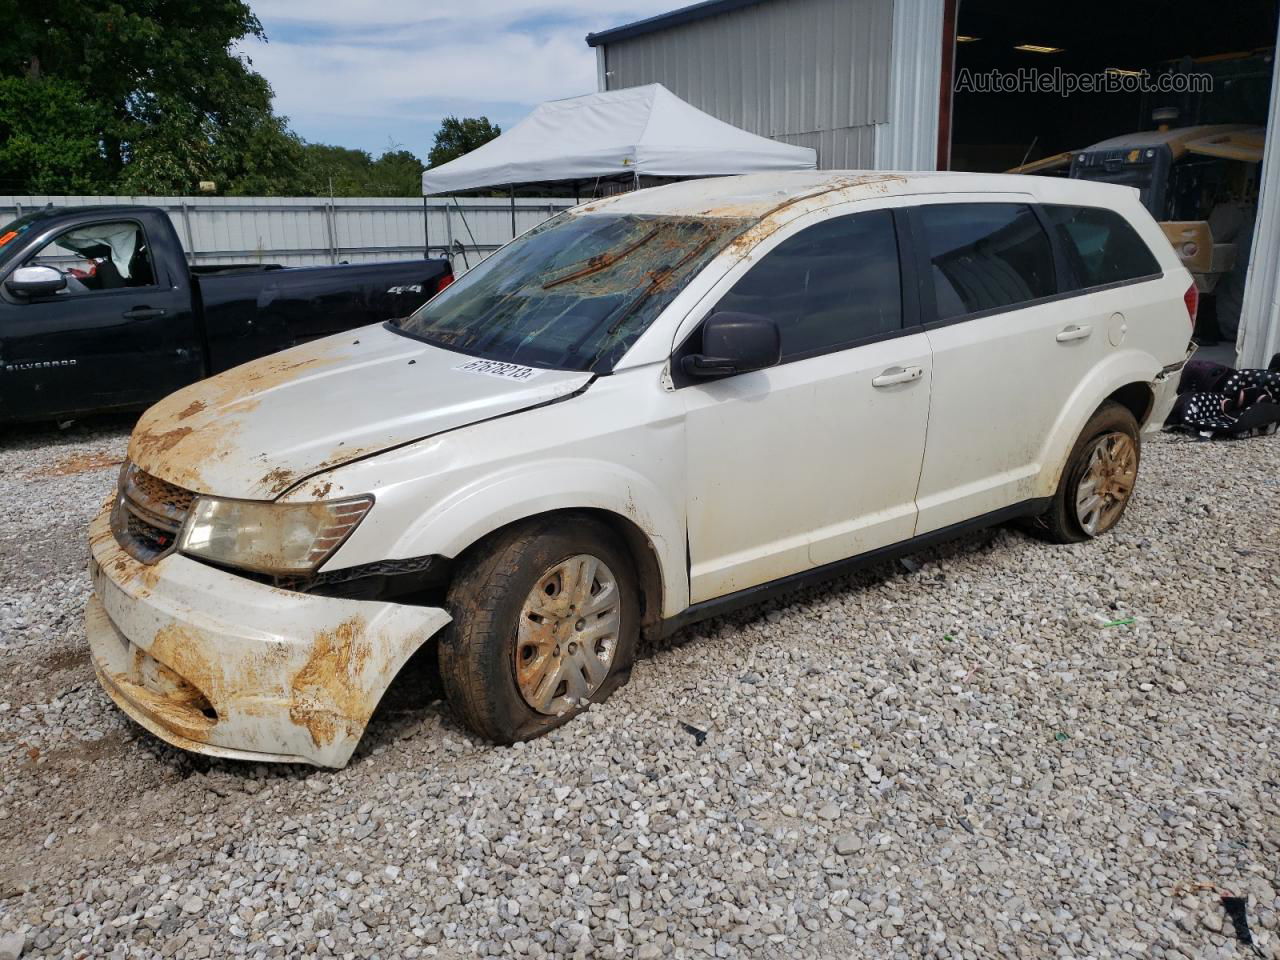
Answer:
(575, 292)
(1112, 167)
(12, 231)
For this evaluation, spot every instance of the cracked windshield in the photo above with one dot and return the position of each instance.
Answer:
(574, 293)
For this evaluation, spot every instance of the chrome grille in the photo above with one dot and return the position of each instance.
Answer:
(148, 515)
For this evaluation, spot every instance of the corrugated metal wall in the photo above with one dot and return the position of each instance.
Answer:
(301, 231)
(809, 72)
(909, 141)
(1259, 337)
(849, 148)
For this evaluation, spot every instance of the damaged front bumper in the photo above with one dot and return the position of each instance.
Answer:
(224, 665)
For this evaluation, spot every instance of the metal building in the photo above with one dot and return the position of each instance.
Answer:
(869, 84)
(857, 80)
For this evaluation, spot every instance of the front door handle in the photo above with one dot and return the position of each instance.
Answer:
(1074, 332)
(897, 375)
(143, 313)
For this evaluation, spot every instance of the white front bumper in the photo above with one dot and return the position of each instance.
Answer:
(224, 665)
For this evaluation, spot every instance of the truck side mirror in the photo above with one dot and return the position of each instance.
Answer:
(734, 343)
(35, 282)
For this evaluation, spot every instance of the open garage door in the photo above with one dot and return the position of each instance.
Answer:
(1060, 45)
(1168, 96)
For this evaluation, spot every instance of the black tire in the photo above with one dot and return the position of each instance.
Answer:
(479, 648)
(1060, 523)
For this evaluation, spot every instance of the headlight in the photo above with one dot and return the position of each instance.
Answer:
(277, 538)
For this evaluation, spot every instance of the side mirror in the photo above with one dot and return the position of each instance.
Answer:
(734, 343)
(35, 281)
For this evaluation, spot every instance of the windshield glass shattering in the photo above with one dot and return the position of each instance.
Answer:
(575, 292)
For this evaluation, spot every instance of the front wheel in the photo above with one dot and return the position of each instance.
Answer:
(1098, 479)
(545, 620)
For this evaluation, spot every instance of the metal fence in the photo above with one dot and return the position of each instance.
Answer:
(303, 231)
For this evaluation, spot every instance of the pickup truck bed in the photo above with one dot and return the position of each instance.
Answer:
(134, 322)
(249, 314)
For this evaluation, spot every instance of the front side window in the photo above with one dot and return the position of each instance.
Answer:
(832, 284)
(985, 256)
(573, 293)
(98, 257)
(1100, 246)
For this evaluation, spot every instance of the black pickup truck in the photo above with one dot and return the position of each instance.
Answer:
(100, 311)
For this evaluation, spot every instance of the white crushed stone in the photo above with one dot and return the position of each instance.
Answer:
(960, 761)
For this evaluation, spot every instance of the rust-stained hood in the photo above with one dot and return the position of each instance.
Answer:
(255, 431)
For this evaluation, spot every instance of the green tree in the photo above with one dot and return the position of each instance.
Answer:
(397, 173)
(354, 173)
(170, 102)
(37, 156)
(457, 137)
(340, 169)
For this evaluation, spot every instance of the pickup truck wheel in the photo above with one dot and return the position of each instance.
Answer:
(1098, 479)
(545, 621)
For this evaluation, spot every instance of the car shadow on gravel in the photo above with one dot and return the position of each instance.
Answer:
(413, 705)
(46, 436)
(915, 565)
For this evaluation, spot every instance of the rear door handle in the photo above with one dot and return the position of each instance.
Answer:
(897, 375)
(1074, 332)
(143, 313)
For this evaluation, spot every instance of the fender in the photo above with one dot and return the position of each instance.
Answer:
(1118, 370)
(490, 502)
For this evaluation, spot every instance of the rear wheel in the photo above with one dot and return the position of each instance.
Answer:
(1098, 480)
(545, 620)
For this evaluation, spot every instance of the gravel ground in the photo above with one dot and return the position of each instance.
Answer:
(959, 756)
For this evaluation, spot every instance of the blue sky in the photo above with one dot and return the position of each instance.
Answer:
(374, 74)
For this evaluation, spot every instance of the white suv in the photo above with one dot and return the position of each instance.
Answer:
(648, 410)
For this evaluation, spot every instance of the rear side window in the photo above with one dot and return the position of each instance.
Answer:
(1101, 247)
(985, 256)
(832, 284)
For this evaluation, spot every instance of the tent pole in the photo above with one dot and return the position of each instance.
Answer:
(426, 231)
(513, 211)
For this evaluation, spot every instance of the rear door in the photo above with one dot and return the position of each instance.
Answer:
(1111, 266)
(1008, 352)
(816, 459)
(121, 334)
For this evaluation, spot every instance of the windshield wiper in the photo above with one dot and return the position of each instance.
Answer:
(657, 280)
(601, 261)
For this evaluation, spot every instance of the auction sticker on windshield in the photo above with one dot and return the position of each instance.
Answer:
(497, 368)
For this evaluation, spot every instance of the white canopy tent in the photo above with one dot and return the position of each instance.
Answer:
(639, 132)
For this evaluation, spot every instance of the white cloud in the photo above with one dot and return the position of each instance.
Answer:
(338, 65)
(354, 80)
(598, 15)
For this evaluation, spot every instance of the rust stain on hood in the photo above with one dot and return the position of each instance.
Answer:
(178, 437)
(192, 409)
(255, 431)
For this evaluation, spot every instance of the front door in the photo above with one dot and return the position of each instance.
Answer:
(118, 335)
(816, 459)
